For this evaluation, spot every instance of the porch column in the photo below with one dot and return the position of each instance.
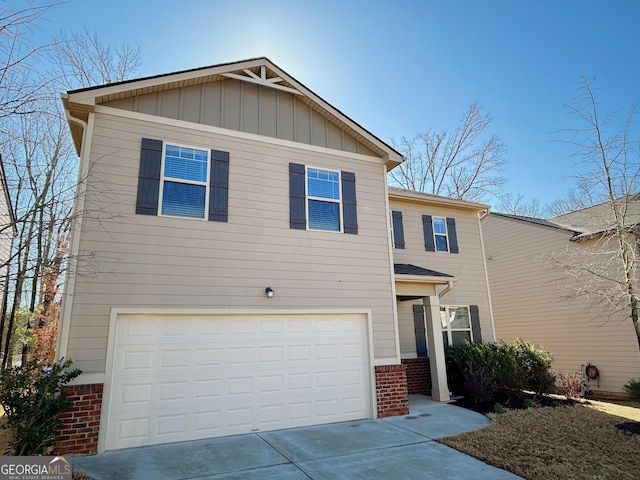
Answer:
(439, 386)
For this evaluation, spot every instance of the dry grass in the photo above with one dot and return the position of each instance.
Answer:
(570, 442)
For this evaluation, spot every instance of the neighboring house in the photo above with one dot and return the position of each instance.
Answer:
(233, 270)
(7, 234)
(536, 300)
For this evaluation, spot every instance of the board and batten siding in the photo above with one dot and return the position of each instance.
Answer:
(467, 265)
(129, 260)
(531, 300)
(245, 107)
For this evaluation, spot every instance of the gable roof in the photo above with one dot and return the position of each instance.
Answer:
(598, 219)
(533, 220)
(421, 197)
(78, 103)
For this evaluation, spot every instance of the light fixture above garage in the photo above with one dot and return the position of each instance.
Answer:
(269, 292)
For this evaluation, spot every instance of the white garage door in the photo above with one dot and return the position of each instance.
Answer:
(178, 377)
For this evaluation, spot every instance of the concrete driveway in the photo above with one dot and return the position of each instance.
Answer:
(389, 448)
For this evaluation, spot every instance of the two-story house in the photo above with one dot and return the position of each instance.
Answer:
(533, 297)
(233, 268)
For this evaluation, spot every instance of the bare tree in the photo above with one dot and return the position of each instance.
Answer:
(516, 205)
(82, 60)
(607, 260)
(42, 175)
(579, 198)
(466, 165)
(21, 87)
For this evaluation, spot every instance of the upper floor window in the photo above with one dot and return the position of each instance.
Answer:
(440, 234)
(323, 199)
(182, 181)
(184, 189)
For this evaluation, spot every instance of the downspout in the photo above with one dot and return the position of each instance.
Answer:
(446, 290)
(481, 216)
(67, 296)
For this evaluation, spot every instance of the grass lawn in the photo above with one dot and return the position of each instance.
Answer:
(567, 442)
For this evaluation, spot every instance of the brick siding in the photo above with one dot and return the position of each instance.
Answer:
(391, 390)
(418, 375)
(78, 432)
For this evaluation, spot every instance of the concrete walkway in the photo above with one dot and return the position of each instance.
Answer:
(388, 448)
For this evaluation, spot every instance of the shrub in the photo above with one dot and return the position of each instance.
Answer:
(478, 366)
(633, 388)
(535, 364)
(30, 396)
(492, 369)
(570, 384)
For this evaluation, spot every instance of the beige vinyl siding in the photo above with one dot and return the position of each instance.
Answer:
(129, 260)
(530, 299)
(246, 107)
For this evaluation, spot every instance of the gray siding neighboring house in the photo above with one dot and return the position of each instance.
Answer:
(237, 272)
(534, 300)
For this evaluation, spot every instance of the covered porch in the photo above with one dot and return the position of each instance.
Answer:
(418, 294)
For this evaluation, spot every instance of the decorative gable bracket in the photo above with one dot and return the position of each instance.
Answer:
(273, 82)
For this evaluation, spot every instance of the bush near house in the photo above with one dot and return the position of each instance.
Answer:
(633, 389)
(488, 372)
(31, 399)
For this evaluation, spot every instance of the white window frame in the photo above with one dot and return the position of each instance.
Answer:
(448, 328)
(323, 199)
(445, 234)
(164, 178)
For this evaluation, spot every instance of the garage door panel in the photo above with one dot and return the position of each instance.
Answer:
(187, 377)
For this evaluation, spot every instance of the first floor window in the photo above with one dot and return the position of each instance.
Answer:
(323, 199)
(184, 181)
(456, 324)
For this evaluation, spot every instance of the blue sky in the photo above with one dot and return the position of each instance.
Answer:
(401, 67)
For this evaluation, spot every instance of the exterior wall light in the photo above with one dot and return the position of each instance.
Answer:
(269, 292)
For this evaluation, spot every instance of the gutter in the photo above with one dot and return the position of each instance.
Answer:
(64, 325)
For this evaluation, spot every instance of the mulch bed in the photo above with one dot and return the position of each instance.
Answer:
(513, 403)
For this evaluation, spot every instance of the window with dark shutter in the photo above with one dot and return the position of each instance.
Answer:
(440, 234)
(149, 177)
(297, 197)
(349, 211)
(398, 229)
(178, 185)
(427, 227)
(421, 333)
(219, 186)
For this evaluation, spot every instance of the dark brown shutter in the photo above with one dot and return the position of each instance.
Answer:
(421, 334)
(474, 313)
(297, 197)
(398, 229)
(349, 211)
(453, 237)
(219, 186)
(149, 177)
(427, 227)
